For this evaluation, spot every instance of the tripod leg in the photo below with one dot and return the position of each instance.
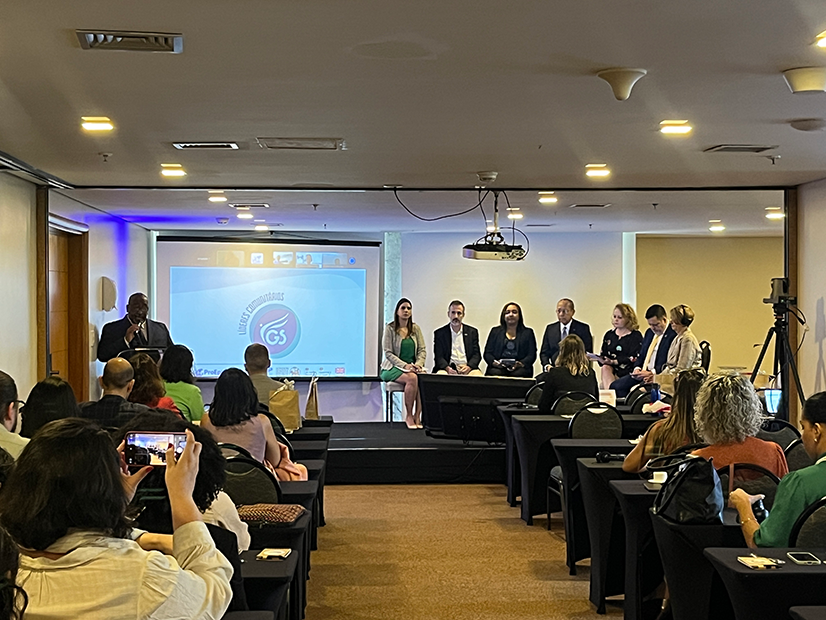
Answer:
(793, 365)
(763, 354)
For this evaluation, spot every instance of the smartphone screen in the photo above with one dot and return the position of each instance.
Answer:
(147, 448)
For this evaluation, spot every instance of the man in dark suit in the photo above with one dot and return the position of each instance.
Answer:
(133, 331)
(456, 345)
(113, 409)
(555, 332)
(654, 352)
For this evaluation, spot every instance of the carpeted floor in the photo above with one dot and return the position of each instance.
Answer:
(440, 552)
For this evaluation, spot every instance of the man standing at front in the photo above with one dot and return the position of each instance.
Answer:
(557, 332)
(133, 331)
(456, 345)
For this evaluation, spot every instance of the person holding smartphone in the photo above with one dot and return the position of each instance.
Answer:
(64, 505)
(796, 491)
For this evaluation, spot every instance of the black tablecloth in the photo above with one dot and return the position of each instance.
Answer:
(512, 461)
(808, 613)
(304, 493)
(768, 594)
(641, 555)
(323, 420)
(310, 433)
(310, 449)
(567, 451)
(266, 584)
(605, 528)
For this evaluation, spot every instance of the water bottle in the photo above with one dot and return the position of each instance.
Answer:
(655, 392)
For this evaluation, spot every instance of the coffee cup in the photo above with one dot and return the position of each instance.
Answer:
(658, 477)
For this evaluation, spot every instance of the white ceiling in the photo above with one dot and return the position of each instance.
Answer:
(425, 94)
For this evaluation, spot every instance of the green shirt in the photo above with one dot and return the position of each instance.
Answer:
(797, 491)
(187, 398)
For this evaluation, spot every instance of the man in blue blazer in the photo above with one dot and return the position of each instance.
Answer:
(134, 331)
(565, 325)
(453, 354)
(654, 352)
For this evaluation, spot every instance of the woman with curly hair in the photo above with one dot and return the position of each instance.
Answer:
(728, 415)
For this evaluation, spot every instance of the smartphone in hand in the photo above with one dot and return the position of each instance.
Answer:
(149, 448)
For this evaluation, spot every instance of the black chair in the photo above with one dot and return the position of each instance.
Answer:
(571, 402)
(705, 355)
(230, 450)
(809, 530)
(779, 431)
(753, 479)
(639, 403)
(534, 395)
(250, 482)
(641, 390)
(687, 449)
(282, 438)
(796, 456)
(596, 421)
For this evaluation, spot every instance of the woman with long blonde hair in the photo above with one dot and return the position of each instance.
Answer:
(572, 373)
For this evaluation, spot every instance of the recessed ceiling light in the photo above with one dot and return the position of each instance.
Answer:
(262, 221)
(217, 198)
(173, 170)
(262, 228)
(547, 198)
(491, 228)
(514, 216)
(714, 221)
(96, 123)
(675, 127)
(513, 208)
(820, 40)
(597, 170)
(245, 216)
(716, 228)
(775, 215)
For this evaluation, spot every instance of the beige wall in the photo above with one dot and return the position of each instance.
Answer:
(585, 267)
(724, 280)
(812, 284)
(118, 250)
(18, 282)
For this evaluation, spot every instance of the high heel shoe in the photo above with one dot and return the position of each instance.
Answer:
(411, 423)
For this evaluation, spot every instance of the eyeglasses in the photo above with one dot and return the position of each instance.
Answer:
(19, 403)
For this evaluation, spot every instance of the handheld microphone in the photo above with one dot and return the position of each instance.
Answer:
(607, 457)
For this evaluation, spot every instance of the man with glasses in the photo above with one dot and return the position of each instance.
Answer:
(10, 441)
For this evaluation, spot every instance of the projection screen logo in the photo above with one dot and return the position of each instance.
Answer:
(277, 328)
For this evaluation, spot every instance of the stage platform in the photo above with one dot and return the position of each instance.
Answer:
(376, 453)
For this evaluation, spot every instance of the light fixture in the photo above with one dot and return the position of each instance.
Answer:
(716, 226)
(514, 216)
(547, 198)
(675, 127)
(597, 170)
(774, 213)
(217, 198)
(173, 170)
(820, 40)
(622, 81)
(808, 124)
(262, 228)
(245, 216)
(491, 228)
(806, 79)
(96, 123)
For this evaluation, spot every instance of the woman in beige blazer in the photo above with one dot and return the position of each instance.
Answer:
(684, 352)
(404, 358)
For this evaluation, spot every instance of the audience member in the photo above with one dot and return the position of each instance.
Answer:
(556, 333)
(13, 599)
(6, 465)
(114, 409)
(510, 350)
(154, 514)
(176, 372)
(728, 415)
(620, 345)
(256, 363)
(684, 351)
(404, 357)
(149, 389)
(233, 418)
(132, 331)
(796, 491)
(456, 345)
(64, 505)
(676, 430)
(10, 441)
(653, 354)
(572, 373)
(50, 399)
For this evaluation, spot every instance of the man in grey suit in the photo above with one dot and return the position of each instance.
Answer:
(555, 332)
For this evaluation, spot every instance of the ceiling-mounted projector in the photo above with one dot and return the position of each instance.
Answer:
(492, 246)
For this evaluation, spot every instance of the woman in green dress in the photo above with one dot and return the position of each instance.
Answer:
(404, 358)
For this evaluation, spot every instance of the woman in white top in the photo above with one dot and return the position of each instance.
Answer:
(404, 357)
(64, 505)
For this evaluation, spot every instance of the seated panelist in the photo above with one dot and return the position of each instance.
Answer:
(556, 333)
(654, 353)
(456, 345)
(134, 331)
(510, 350)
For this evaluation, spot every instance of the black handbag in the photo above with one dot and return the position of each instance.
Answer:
(692, 494)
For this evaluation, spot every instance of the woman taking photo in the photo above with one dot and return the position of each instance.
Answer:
(510, 350)
(404, 357)
(64, 505)
(673, 432)
(51, 399)
(572, 373)
(621, 345)
(176, 372)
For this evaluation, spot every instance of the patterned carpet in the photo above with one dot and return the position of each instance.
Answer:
(440, 551)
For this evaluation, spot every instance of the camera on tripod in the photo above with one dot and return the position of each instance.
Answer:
(780, 293)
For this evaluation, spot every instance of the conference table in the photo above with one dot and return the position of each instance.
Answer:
(531, 434)
(271, 585)
(511, 460)
(768, 594)
(817, 612)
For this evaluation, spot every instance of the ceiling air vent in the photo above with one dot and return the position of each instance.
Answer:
(595, 205)
(306, 144)
(739, 148)
(206, 146)
(171, 43)
(246, 206)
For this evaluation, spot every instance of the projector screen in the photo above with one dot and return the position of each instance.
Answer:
(314, 306)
